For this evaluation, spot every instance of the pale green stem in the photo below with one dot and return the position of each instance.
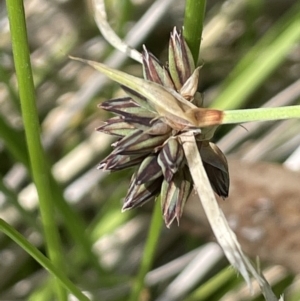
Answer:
(262, 114)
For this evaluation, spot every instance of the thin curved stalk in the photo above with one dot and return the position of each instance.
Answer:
(109, 34)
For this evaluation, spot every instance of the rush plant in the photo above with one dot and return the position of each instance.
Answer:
(149, 123)
(163, 131)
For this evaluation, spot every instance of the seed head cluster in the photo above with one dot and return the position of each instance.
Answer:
(151, 143)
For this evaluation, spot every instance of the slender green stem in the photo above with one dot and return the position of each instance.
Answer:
(193, 25)
(40, 169)
(263, 114)
(41, 259)
(149, 251)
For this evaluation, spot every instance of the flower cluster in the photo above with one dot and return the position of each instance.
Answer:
(151, 141)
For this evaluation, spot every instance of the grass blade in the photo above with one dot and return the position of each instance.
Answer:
(260, 61)
(41, 259)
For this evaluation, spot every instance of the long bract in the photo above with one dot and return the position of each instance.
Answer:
(160, 98)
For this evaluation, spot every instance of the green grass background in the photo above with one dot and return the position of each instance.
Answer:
(250, 53)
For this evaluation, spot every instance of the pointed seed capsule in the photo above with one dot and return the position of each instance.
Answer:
(154, 71)
(174, 195)
(181, 62)
(190, 87)
(126, 107)
(149, 170)
(170, 158)
(116, 126)
(115, 162)
(138, 195)
(216, 167)
(138, 142)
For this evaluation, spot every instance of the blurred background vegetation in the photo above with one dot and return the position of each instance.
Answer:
(187, 264)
